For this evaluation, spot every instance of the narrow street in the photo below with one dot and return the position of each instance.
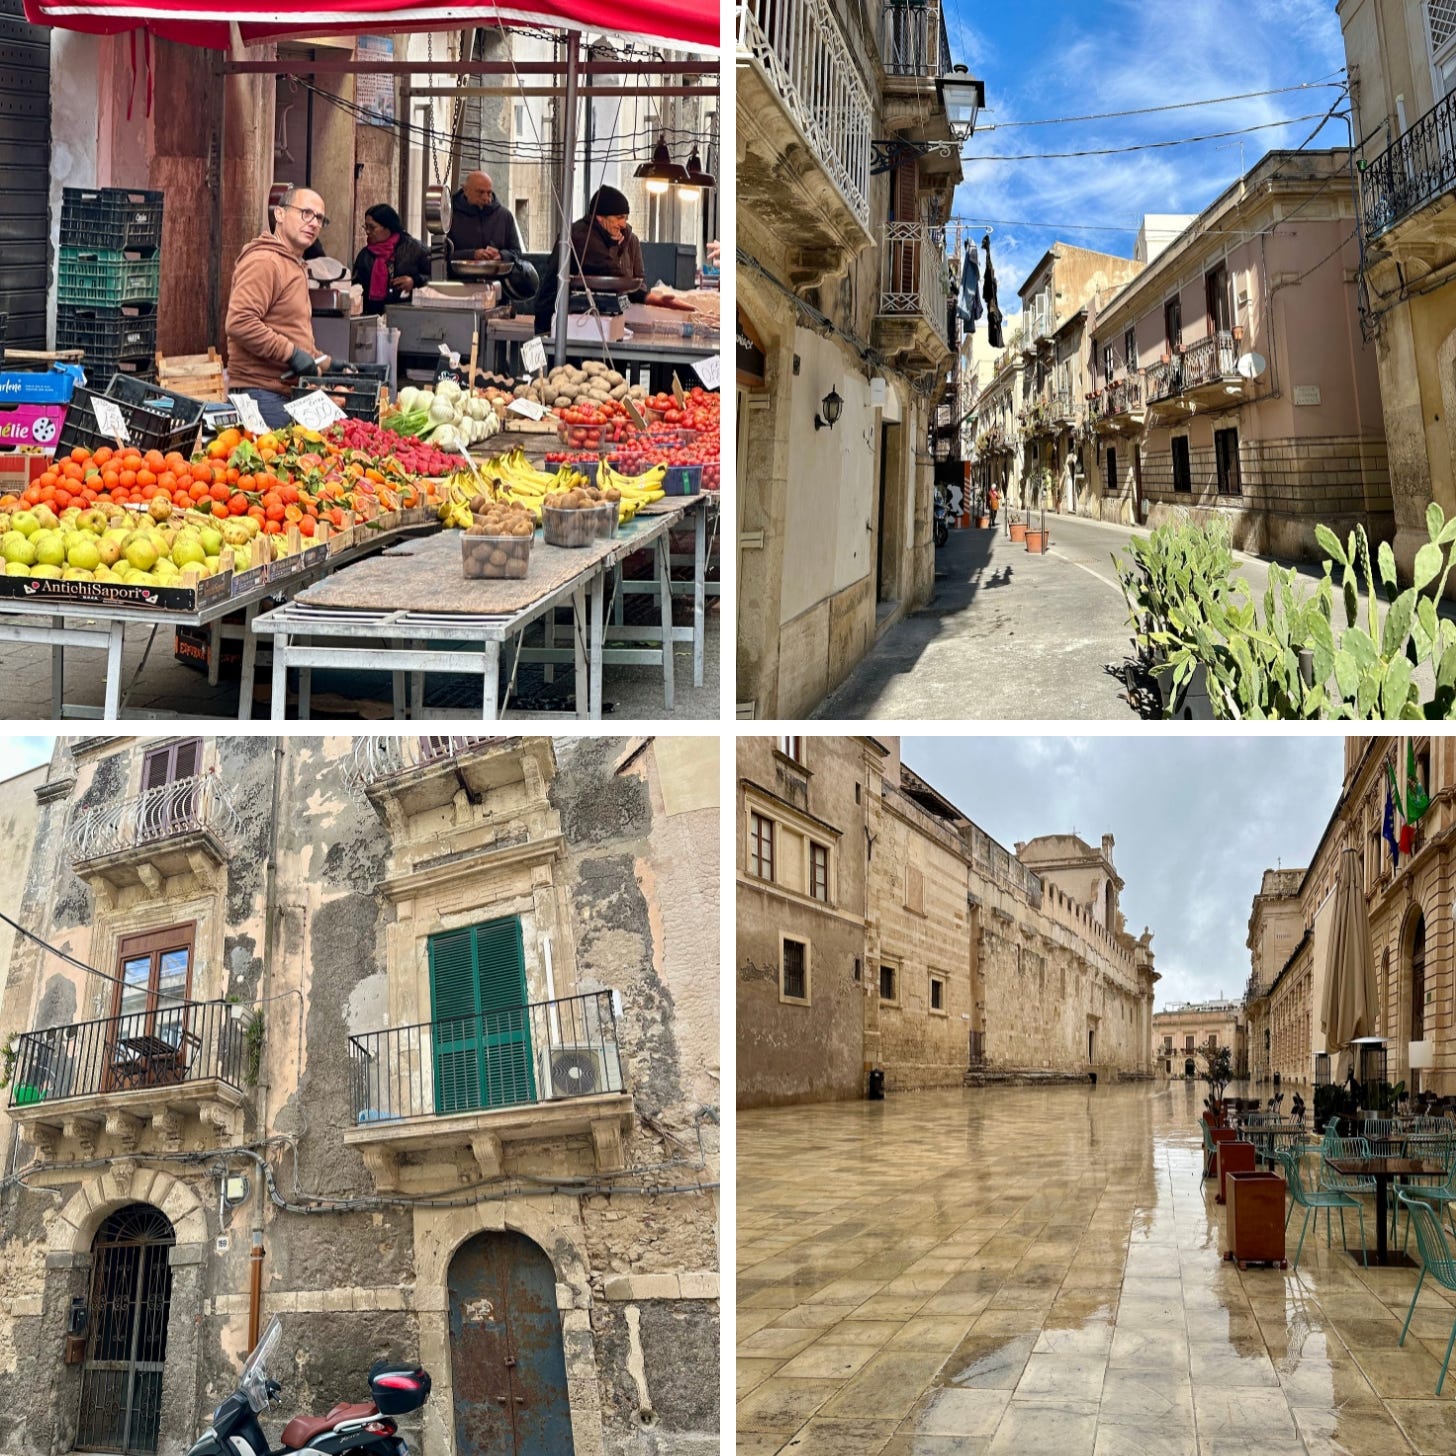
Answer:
(1011, 635)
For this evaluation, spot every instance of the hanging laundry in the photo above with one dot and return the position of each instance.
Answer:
(994, 334)
(969, 306)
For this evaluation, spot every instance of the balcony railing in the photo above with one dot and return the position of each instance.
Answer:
(1062, 406)
(192, 805)
(175, 1044)
(914, 279)
(546, 1052)
(913, 40)
(1210, 360)
(1121, 397)
(1165, 379)
(801, 49)
(1412, 171)
(379, 758)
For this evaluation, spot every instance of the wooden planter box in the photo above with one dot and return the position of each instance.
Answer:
(1256, 1219)
(1233, 1157)
(1219, 1135)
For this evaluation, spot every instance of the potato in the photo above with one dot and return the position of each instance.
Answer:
(619, 392)
(593, 366)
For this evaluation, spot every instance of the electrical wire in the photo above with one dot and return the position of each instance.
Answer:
(1171, 106)
(1146, 146)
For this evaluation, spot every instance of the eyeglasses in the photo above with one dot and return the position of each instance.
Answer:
(306, 213)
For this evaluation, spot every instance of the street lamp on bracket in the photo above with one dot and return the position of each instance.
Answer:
(963, 98)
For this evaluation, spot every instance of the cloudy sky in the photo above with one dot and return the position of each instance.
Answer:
(1044, 59)
(1197, 821)
(23, 752)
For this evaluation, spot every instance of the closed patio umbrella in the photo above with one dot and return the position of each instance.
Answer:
(1351, 1001)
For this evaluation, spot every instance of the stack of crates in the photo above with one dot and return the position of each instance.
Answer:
(108, 280)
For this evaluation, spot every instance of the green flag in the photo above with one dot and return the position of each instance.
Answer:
(1417, 800)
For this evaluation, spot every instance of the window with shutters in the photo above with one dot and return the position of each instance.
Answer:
(1129, 351)
(170, 801)
(819, 871)
(481, 1032)
(761, 846)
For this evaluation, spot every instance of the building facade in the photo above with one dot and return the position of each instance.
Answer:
(1276, 926)
(380, 1036)
(845, 333)
(880, 929)
(1410, 904)
(1179, 1032)
(1230, 378)
(1401, 58)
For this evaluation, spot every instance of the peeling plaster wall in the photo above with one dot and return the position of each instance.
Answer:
(637, 883)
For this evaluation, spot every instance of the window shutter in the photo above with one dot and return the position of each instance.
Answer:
(187, 760)
(154, 768)
(501, 977)
(456, 1029)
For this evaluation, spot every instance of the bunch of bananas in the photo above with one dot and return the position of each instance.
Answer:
(636, 490)
(454, 508)
(516, 479)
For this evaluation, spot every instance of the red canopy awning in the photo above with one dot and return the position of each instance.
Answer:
(688, 24)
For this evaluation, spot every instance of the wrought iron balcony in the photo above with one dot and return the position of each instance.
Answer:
(549, 1069)
(913, 40)
(376, 758)
(1063, 408)
(1210, 361)
(799, 48)
(164, 831)
(124, 1073)
(1165, 379)
(1122, 400)
(913, 282)
(1414, 170)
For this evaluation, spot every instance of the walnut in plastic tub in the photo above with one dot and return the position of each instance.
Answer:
(495, 556)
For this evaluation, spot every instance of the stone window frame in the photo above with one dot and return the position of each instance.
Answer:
(810, 830)
(934, 978)
(807, 999)
(828, 897)
(892, 964)
(755, 858)
(204, 909)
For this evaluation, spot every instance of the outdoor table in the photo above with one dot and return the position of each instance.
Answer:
(1382, 1170)
(151, 1061)
(103, 629)
(402, 599)
(1267, 1134)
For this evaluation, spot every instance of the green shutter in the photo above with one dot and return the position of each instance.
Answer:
(481, 1033)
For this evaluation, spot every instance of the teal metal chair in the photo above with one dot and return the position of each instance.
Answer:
(1314, 1199)
(1343, 1147)
(1435, 1193)
(1436, 1260)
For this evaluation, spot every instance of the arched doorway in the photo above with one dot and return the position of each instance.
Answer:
(506, 1354)
(126, 1336)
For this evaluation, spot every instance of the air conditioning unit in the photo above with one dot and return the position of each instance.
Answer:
(580, 1071)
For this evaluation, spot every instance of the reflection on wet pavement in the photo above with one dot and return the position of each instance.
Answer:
(1028, 1270)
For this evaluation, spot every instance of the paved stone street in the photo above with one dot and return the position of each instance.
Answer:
(1009, 635)
(1029, 1270)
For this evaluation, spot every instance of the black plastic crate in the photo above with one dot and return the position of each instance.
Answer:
(128, 331)
(156, 419)
(4, 324)
(110, 217)
(101, 369)
(357, 394)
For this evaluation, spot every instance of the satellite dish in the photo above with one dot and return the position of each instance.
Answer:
(1251, 366)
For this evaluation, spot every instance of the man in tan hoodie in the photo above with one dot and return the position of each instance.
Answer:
(269, 317)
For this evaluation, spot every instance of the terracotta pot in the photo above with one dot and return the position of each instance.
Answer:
(1018, 530)
(1256, 1219)
(983, 521)
(1036, 541)
(1233, 1157)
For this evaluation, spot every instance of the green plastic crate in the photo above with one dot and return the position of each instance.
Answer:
(107, 278)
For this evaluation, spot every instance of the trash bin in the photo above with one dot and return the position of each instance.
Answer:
(877, 1085)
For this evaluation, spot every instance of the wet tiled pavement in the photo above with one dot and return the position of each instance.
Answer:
(1040, 1270)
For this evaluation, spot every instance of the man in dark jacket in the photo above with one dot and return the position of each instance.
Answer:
(602, 243)
(480, 228)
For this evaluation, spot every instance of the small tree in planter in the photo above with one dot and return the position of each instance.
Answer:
(1218, 1070)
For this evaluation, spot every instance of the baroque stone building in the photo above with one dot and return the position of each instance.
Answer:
(1410, 905)
(381, 1035)
(1180, 1031)
(880, 928)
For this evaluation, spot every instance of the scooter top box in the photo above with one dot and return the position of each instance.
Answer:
(398, 1389)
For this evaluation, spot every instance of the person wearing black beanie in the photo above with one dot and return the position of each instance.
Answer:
(602, 244)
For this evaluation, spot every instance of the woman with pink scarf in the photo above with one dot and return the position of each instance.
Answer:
(392, 264)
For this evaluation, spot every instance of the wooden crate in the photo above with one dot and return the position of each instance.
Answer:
(198, 376)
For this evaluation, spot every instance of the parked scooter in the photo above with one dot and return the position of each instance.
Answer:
(941, 529)
(365, 1427)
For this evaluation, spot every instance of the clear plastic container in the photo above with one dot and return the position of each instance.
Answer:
(496, 556)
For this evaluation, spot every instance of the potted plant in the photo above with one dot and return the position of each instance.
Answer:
(1036, 536)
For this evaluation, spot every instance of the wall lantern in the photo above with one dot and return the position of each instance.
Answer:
(661, 172)
(833, 407)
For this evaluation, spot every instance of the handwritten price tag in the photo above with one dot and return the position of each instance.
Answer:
(315, 411)
(533, 355)
(249, 414)
(109, 418)
(528, 407)
(710, 371)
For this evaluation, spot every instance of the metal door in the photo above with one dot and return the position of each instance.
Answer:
(25, 167)
(126, 1346)
(506, 1352)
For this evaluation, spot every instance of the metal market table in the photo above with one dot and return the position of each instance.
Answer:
(103, 629)
(414, 594)
(661, 351)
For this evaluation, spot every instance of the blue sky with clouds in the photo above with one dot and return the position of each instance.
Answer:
(1051, 58)
(1197, 822)
(23, 752)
